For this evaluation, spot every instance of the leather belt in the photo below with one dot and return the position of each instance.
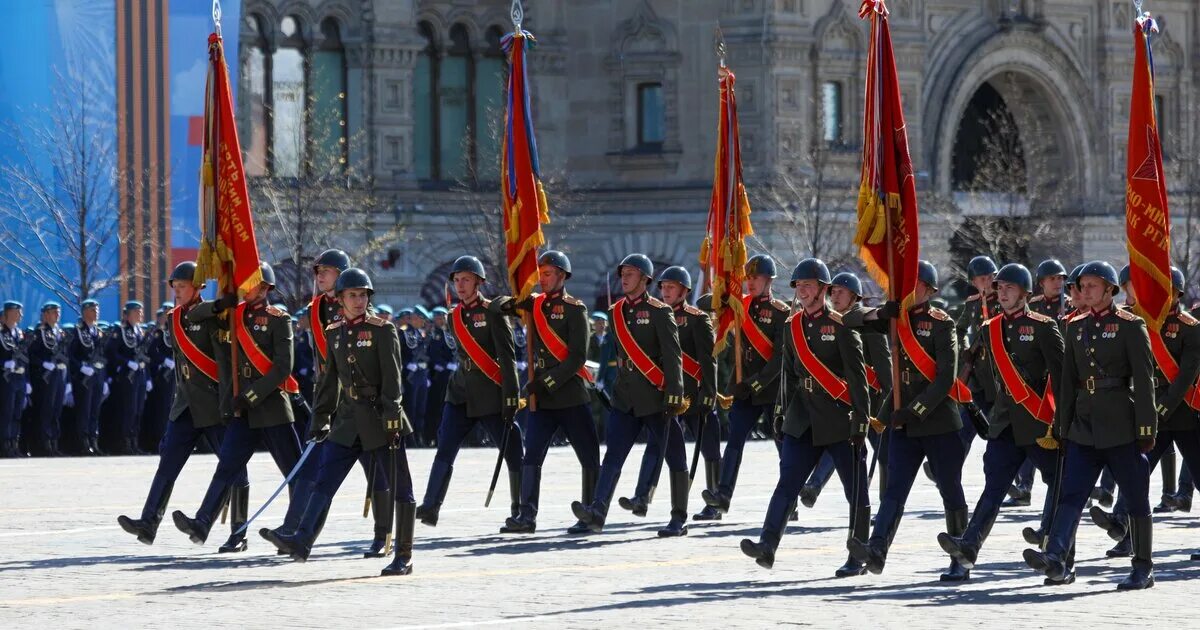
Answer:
(1092, 384)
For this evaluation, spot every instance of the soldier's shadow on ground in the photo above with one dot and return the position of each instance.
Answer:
(81, 561)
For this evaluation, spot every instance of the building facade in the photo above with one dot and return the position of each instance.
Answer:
(625, 103)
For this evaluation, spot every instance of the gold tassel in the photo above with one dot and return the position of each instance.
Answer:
(1047, 441)
(206, 174)
(543, 205)
(705, 250)
(725, 401)
(367, 506)
(877, 425)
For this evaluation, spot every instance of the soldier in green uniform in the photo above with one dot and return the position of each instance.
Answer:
(649, 389)
(1107, 416)
(201, 365)
(358, 411)
(710, 437)
(483, 390)
(981, 306)
(754, 397)
(824, 410)
(261, 409)
(558, 389)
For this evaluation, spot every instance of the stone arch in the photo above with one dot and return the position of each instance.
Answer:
(1024, 67)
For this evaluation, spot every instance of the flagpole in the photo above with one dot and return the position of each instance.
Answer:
(732, 189)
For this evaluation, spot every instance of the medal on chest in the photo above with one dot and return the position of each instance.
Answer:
(925, 329)
(642, 318)
(827, 333)
(1172, 331)
(363, 339)
(1110, 331)
(1025, 333)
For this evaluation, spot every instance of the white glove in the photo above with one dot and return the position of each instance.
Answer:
(133, 365)
(106, 389)
(149, 385)
(69, 389)
(68, 399)
(47, 365)
(428, 383)
(10, 365)
(169, 364)
(28, 389)
(87, 370)
(411, 367)
(452, 366)
(303, 371)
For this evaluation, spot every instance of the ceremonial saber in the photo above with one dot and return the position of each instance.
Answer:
(286, 480)
(370, 485)
(703, 421)
(1059, 465)
(499, 460)
(882, 437)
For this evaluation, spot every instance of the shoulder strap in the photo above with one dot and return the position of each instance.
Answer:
(554, 343)
(488, 365)
(254, 354)
(836, 387)
(1040, 407)
(206, 364)
(632, 350)
(925, 363)
(758, 340)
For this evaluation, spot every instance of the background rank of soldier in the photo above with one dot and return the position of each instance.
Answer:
(824, 409)
(442, 363)
(483, 390)
(648, 392)
(127, 362)
(753, 398)
(1108, 417)
(261, 406)
(927, 423)
(359, 409)
(845, 296)
(48, 374)
(559, 387)
(1025, 349)
(1050, 296)
(160, 382)
(1176, 401)
(696, 340)
(195, 412)
(14, 368)
(88, 367)
(417, 370)
(980, 307)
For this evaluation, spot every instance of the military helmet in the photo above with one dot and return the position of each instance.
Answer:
(354, 278)
(469, 264)
(1050, 267)
(705, 303)
(761, 265)
(184, 271)
(1073, 277)
(811, 269)
(849, 281)
(1101, 270)
(1123, 276)
(641, 262)
(1016, 274)
(677, 274)
(555, 258)
(268, 273)
(927, 273)
(335, 258)
(1177, 280)
(980, 266)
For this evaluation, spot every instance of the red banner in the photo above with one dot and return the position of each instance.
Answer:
(1147, 220)
(228, 251)
(723, 252)
(887, 195)
(525, 208)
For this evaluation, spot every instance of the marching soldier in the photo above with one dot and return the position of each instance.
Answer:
(981, 306)
(48, 363)
(88, 376)
(202, 365)
(261, 407)
(305, 360)
(1104, 422)
(1025, 349)
(927, 424)
(160, 391)
(709, 434)
(559, 387)
(648, 392)
(1176, 351)
(1051, 299)
(358, 412)
(753, 397)
(14, 357)
(696, 340)
(126, 355)
(824, 410)
(441, 358)
(385, 312)
(483, 390)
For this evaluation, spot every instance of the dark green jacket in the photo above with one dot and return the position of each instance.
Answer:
(1055, 308)
(1035, 345)
(271, 330)
(195, 392)
(762, 375)
(809, 405)
(878, 356)
(652, 327)
(1181, 336)
(1107, 381)
(468, 384)
(567, 316)
(360, 394)
(696, 339)
(971, 321)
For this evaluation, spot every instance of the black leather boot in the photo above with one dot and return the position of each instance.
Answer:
(405, 524)
(1032, 536)
(590, 477)
(762, 551)
(679, 499)
(196, 530)
(239, 511)
(1142, 576)
(1116, 525)
(382, 509)
(712, 477)
(593, 515)
(956, 526)
(526, 521)
(514, 492)
(873, 553)
(638, 505)
(862, 529)
(1048, 564)
(435, 493)
(964, 549)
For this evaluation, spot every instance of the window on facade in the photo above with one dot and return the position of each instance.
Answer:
(453, 99)
(425, 130)
(488, 99)
(831, 112)
(327, 115)
(252, 128)
(288, 97)
(652, 124)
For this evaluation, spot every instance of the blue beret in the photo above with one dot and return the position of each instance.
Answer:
(11, 304)
(600, 315)
(404, 311)
(50, 305)
(132, 305)
(89, 303)
(422, 311)
(440, 310)
(384, 308)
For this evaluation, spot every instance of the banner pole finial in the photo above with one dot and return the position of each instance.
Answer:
(517, 13)
(216, 16)
(721, 49)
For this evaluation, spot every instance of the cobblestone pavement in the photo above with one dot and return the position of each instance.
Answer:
(64, 562)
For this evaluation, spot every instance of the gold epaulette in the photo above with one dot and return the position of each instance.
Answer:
(375, 320)
(1127, 315)
(275, 312)
(780, 304)
(939, 314)
(835, 316)
(655, 302)
(1186, 319)
(335, 325)
(1038, 317)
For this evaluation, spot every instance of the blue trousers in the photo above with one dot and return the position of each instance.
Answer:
(236, 450)
(12, 404)
(623, 431)
(1129, 467)
(798, 458)
(88, 392)
(130, 398)
(456, 426)
(334, 464)
(575, 421)
(743, 415)
(945, 453)
(49, 389)
(1001, 462)
(178, 442)
(652, 457)
(825, 468)
(1189, 447)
